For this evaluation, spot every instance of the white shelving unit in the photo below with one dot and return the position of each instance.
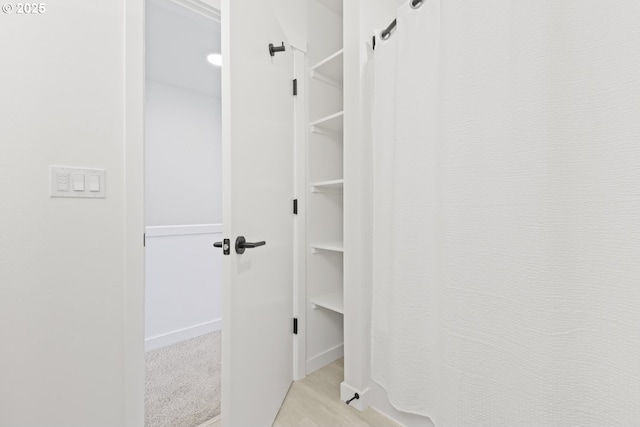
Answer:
(324, 212)
(329, 70)
(327, 246)
(334, 186)
(333, 124)
(332, 301)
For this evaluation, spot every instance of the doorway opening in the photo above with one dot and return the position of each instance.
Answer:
(183, 214)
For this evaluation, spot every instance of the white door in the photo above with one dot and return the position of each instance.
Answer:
(257, 113)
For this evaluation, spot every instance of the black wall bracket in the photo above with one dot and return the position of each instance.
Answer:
(275, 49)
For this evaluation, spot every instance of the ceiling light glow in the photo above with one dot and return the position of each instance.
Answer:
(215, 59)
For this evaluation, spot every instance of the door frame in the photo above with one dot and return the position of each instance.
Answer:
(134, 278)
(300, 122)
(133, 245)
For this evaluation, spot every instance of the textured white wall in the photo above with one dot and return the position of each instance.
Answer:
(514, 241)
(62, 265)
(362, 19)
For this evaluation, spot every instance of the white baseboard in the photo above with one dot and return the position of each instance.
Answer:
(379, 401)
(159, 341)
(212, 421)
(324, 358)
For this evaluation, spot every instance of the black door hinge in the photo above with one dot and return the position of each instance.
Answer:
(295, 326)
(295, 206)
(144, 239)
(295, 87)
(373, 42)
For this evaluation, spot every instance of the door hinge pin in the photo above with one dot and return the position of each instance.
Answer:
(295, 206)
(295, 326)
(144, 239)
(295, 87)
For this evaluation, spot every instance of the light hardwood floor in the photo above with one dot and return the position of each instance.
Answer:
(315, 402)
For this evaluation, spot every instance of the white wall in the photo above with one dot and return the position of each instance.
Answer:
(178, 42)
(183, 176)
(184, 283)
(62, 261)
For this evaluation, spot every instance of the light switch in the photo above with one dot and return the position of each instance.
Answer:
(78, 182)
(94, 183)
(62, 182)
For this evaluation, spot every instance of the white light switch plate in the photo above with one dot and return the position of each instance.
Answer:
(63, 178)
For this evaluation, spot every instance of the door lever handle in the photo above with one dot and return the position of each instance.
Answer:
(249, 245)
(242, 244)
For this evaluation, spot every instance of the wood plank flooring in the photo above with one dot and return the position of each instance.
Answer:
(315, 402)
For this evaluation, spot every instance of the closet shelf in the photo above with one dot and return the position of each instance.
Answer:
(333, 301)
(327, 246)
(334, 186)
(330, 69)
(332, 124)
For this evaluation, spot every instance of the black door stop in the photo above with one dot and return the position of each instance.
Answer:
(355, 396)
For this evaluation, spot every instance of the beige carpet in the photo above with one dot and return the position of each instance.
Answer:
(183, 383)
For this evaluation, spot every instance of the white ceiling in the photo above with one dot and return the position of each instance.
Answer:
(335, 5)
(178, 41)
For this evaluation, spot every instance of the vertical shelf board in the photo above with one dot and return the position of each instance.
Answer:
(327, 246)
(333, 301)
(329, 70)
(334, 186)
(332, 124)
